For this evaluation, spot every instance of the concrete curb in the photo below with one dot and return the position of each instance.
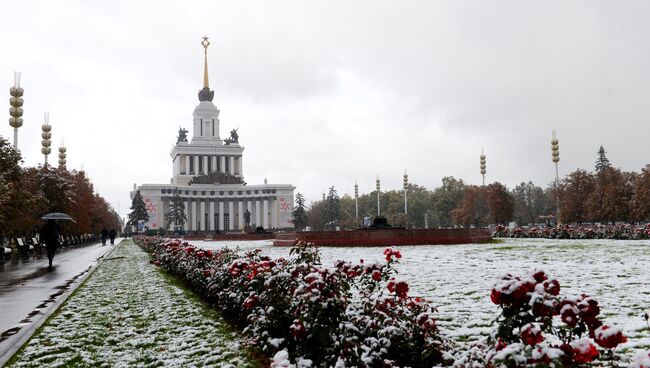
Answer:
(26, 332)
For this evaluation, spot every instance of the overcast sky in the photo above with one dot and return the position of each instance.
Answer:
(327, 92)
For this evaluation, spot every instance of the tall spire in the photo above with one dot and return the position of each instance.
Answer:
(205, 94)
(205, 43)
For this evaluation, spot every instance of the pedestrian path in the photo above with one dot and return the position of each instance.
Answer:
(29, 291)
(129, 313)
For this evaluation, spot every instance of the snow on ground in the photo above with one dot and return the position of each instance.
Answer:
(458, 278)
(129, 314)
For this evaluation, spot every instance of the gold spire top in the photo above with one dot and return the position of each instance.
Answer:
(205, 43)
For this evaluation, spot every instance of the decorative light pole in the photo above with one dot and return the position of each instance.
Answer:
(16, 109)
(483, 166)
(406, 185)
(378, 185)
(46, 135)
(555, 154)
(356, 200)
(62, 157)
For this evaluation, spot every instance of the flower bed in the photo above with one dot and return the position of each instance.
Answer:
(362, 315)
(619, 231)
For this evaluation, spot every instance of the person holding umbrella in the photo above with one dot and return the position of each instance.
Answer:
(50, 236)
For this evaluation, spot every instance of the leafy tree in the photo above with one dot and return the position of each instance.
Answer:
(299, 214)
(445, 199)
(575, 190)
(332, 211)
(530, 202)
(601, 161)
(316, 215)
(640, 200)
(138, 210)
(500, 203)
(611, 195)
(176, 214)
(472, 208)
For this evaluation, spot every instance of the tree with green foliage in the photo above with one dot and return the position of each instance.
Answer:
(332, 211)
(138, 210)
(601, 161)
(530, 203)
(445, 199)
(176, 214)
(299, 214)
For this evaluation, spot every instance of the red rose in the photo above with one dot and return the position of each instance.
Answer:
(248, 303)
(391, 286)
(376, 275)
(401, 289)
(609, 337)
(540, 276)
(569, 315)
(584, 351)
(552, 287)
(297, 329)
(531, 334)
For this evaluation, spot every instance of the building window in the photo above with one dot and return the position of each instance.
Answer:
(226, 221)
(191, 164)
(216, 221)
(206, 221)
(201, 127)
(213, 127)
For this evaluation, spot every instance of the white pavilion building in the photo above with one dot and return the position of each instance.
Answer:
(208, 175)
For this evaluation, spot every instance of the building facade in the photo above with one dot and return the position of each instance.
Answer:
(207, 173)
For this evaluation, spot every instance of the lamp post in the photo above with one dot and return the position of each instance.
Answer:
(46, 135)
(406, 185)
(356, 201)
(483, 166)
(378, 185)
(16, 109)
(555, 154)
(62, 156)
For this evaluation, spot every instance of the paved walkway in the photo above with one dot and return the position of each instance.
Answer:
(129, 313)
(29, 290)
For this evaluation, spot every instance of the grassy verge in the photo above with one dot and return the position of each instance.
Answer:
(129, 313)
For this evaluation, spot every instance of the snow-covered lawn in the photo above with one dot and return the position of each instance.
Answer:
(128, 313)
(458, 278)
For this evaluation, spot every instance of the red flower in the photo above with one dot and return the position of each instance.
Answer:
(531, 334)
(401, 289)
(391, 285)
(392, 252)
(609, 337)
(208, 253)
(206, 273)
(584, 351)
(500, 345)
(297, 329)
(248, 303)
(540, 276)
(569, 315)
(552, 287)
(376, 275)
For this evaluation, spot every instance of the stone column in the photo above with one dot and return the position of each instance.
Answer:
(211, 216)
(221, 217)
(274, 213)
(258, 213)
(202, 224)
(214, 163)
(265, 219)
(187, 216)
(196, 165)
(240, 165)
(223, 164)
(194, 216)
(249, 207)
(241, 214)
(232, 165)
(231, 215)
(205, 164)
(187, 166)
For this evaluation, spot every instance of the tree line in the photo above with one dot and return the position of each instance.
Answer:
(607, 195)
(27, 193)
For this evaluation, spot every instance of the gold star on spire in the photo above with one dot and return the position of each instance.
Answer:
(205, 43)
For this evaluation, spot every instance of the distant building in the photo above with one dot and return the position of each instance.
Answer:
(208, 175)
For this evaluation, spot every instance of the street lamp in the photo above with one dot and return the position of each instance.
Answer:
(378, 185)
(62, 156)
(406, 185)
(16, 109)
(555, 154)
(46, 135)
(483, 171)
(356, 200)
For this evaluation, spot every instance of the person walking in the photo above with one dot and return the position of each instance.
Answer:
(111, 235)
(104, 233)
(50, 233)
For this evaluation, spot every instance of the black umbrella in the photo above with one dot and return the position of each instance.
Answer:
(57, 216)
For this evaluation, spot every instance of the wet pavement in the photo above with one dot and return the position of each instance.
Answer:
(29, 290)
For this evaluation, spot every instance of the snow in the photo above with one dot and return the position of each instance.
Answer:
(128, 314)
(458, 278)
